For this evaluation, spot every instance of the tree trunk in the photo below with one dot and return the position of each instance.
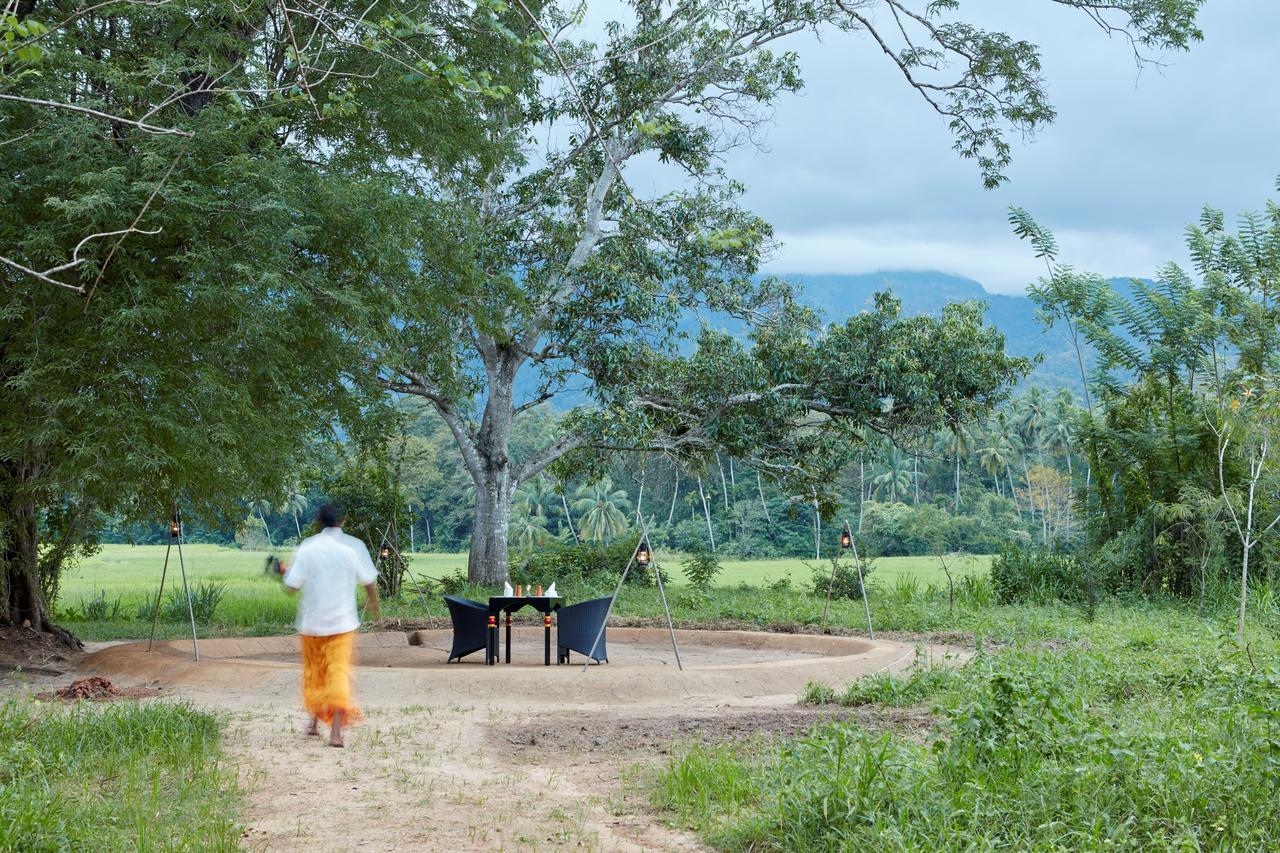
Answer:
(1244, 591)
(675, 493)
(763, 504)
(711, 534)
(568, 517)
(490, 527)
(862, 476)
(22, 601)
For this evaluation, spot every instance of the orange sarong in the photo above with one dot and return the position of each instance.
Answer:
(326, 676)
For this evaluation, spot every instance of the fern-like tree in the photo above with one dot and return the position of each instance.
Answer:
(1177, 346)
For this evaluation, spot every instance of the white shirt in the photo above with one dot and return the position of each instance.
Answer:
(326, 568)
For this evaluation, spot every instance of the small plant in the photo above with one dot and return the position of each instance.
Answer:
(817, 693)
(454, 582)
(205, 598)
(701, 568)
(97, 609)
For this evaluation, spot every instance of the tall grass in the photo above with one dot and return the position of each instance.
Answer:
(1146, 728)
(113, 777)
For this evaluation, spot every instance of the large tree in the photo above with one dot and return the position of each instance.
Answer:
(194, 206)
(545, 258)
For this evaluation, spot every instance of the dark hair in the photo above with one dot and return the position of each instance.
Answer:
(331, 515)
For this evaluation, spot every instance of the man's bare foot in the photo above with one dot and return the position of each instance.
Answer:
(336, 741)
(313, 728)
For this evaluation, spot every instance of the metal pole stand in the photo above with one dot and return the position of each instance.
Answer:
(644, 540)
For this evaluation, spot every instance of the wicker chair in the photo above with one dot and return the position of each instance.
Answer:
(470, 626)
(577, 626)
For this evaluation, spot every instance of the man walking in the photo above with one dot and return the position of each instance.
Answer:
(326, 568)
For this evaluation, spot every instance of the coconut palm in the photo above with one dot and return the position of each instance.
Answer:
(602, 511)
(263, 507)
(994, 455)
(295, 502)
(957, 444)
(895, 480)
(537, 496)
(528, 529)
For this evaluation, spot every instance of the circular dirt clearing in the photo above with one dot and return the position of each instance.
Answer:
(723, 665)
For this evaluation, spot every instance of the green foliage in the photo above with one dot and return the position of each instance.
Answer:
(114, 777)
(589, 564)
(1098, 742)
(1040, 575)
(886, 688)
(205, 598)
(1168, 361)
(844, 584)
(701, 568)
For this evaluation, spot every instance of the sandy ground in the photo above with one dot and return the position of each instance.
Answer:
(511, 757)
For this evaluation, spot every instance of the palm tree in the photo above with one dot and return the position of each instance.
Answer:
(536, 496)
(295, 501)
(957, 444)
(603, 511)
(895, 480)
(528, 529)
(994, 456)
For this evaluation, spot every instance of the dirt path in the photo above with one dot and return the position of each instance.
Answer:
(469, 757)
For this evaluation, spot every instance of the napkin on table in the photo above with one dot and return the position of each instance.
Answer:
(507, 590)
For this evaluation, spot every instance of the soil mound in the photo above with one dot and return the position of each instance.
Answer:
(93, 687)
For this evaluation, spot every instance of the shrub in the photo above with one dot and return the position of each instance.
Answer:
(454, 582)
(96, 609)
(845, 583)
(583, 563)
(1039, 575)
(701, 568)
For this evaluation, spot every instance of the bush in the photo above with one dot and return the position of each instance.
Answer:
(96, 609)
(583, 563)
(845, 583)
(701, 568)
(1040, 575)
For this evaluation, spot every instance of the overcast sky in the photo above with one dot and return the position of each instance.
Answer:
(859, 174)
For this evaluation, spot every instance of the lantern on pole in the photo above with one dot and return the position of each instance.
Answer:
(846, 537)
(643, 555)
(384, 553)
(175, 527)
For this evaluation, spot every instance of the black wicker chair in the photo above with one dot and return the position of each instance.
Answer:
(577, 626)
(470, 626)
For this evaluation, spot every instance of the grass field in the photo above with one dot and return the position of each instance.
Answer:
(111, 595)
(134, 570)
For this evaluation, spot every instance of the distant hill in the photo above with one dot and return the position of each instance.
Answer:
(836, 296)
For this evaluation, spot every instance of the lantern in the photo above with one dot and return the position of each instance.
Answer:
(643, 555)
(384, 553)
(846, 537)
(175, 527)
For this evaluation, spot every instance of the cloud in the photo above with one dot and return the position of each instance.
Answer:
(859, 174)
(998, 260)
